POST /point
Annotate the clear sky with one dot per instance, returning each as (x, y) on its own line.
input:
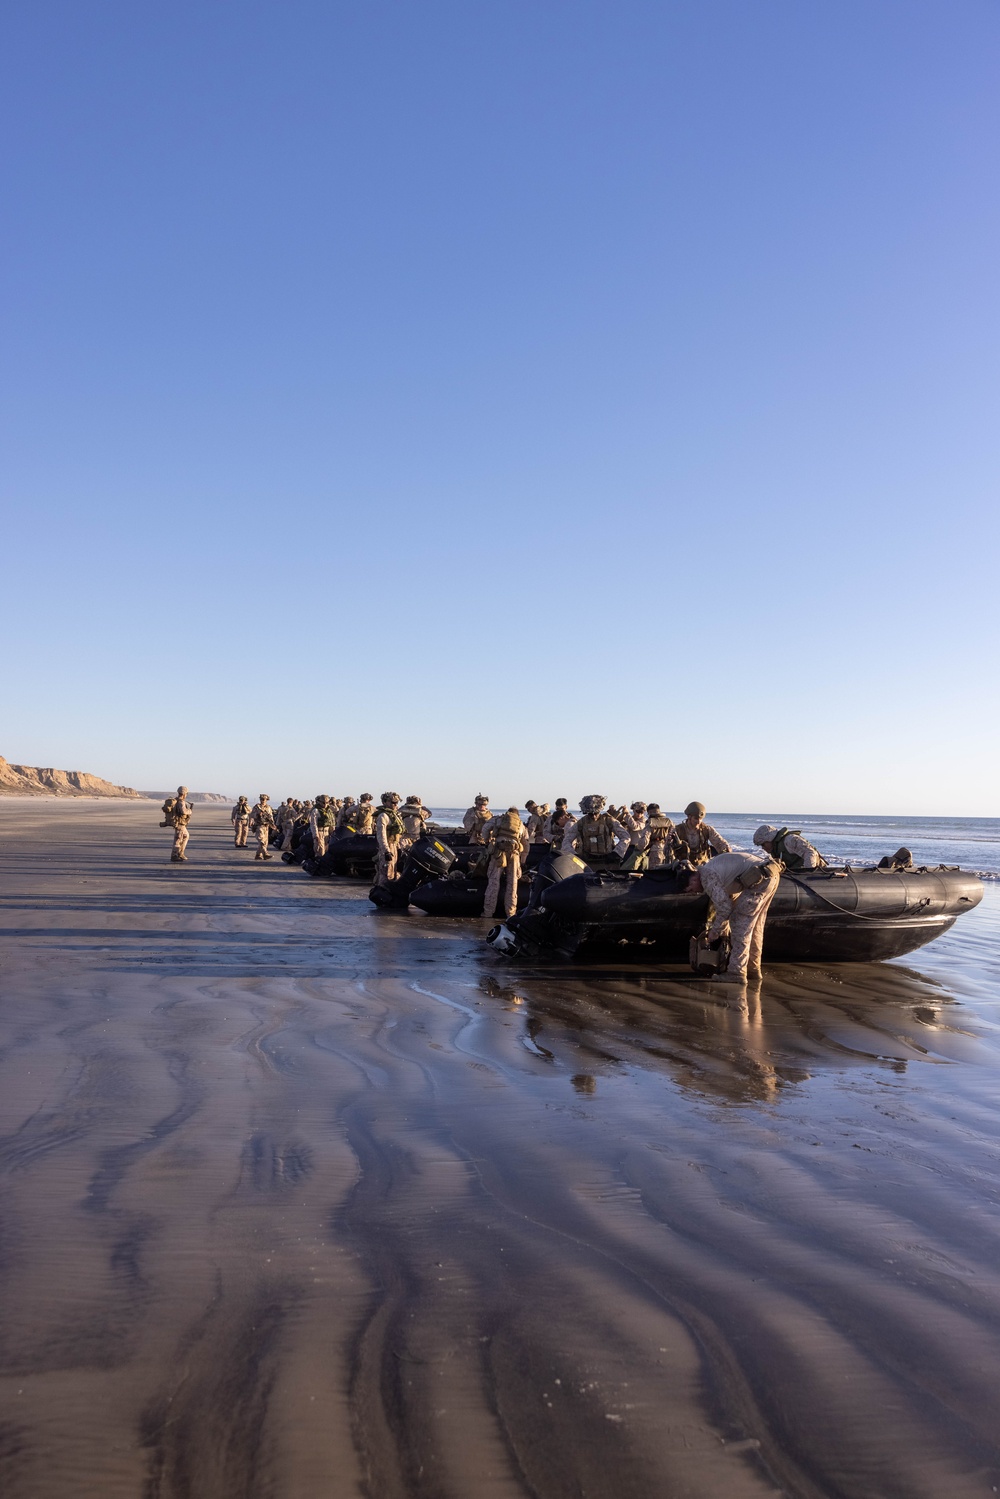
(538, 397)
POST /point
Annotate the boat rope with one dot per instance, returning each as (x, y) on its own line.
(843, 911)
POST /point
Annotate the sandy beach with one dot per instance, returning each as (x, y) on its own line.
(302, 1199)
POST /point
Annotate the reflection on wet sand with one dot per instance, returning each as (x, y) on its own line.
(302, 1199)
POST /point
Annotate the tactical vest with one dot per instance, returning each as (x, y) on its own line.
(596, 835)
(180, 814)
(482, 818)
(393, 822)
(363, 815)
(696, 852)
(324, 817)
(785, 856)
(507, 837)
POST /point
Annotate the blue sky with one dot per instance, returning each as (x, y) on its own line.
(531, 397)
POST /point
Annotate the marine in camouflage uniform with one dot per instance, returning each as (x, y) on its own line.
(262, 824)
(286, 815)
(507, 844)
(788, 847)
(741, 888)
(389, 832)
(476, 818)
(180, 816)
(697, 840)
(364, 815)
(660, 840)
(633, 819)
(595, 834)
(414, 815)
(241, 822)
(321, 824)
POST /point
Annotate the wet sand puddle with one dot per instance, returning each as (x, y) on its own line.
(303, 1199)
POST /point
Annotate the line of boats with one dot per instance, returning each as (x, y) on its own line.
(570, 911)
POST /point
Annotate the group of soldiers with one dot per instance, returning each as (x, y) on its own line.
(634, 838)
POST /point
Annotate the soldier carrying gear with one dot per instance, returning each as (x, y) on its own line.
(414, 815)
(697, 840)
(287, 813)
(476, 818)
(741, 889)
(660, 842)
(389, 830)
(789, 847)
(179, 816)
(262, 823)
(321, 823)
(241, 822)
(595, 834)
(364, 814)
(507, 844)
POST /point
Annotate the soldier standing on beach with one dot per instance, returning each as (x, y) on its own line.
(262, 824)
(321, 823)
(389, 830)
(507, 841)
(180, 816)
(241, 822)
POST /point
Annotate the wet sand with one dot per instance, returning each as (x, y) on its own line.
(300, 1199)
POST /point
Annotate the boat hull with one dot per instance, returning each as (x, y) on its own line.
(829, 915)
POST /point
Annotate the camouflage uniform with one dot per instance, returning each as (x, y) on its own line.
(659, 840)
(414, 815)
(698, 841)
(320, 826)
(261, 823)
(596, 833)
(180, 816)
(241, 822)
(364, 815)
(287, 814)
(745, 913)
(389, 831)
(507, 841)
(788, 847)
(476, 819)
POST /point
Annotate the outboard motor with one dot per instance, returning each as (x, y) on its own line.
(428, 859)
(534, 931)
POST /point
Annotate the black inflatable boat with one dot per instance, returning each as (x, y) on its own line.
(833, 915)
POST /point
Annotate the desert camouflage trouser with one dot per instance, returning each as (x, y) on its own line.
(319, 842)
(240, 826)
(181, 836)
(385, 869)
(499, 864)
(263, 832)
(746, 924)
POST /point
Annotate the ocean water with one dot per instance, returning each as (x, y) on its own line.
(971, 842)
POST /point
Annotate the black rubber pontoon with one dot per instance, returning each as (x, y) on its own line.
(830, 915)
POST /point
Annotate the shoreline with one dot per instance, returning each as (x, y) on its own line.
(301, 1197)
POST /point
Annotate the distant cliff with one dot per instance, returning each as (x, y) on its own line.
(34, 780)
(192, 796)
